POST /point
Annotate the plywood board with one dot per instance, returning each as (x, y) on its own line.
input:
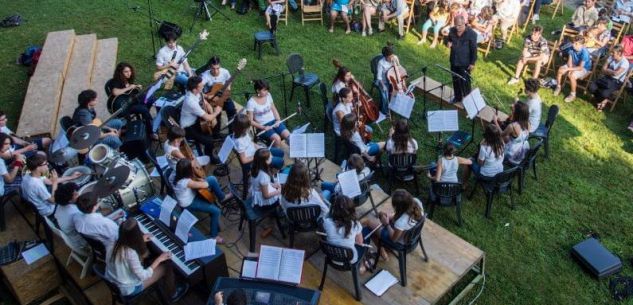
(78, 75)
(56, 53)
(41, 100)
(103, 69)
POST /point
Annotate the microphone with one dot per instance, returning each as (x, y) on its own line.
(450, 72)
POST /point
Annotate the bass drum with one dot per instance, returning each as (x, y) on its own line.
(138, 187)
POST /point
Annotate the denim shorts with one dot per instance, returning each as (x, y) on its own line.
(275, 130)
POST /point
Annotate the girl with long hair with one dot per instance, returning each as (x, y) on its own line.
(516, 133)
(400, 139)
(264, 115)
(124, 264)
(342, 78)
(264, 190)
(298, 192)
(344, 105)
(355, 162)
(245, 147)
(349, 132)
(343, 228)
(489, 161)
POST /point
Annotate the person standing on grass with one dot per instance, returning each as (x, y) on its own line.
(462, 41)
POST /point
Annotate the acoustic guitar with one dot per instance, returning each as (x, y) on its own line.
(217, 96)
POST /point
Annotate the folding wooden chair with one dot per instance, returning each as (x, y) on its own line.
(284, 15)
(485, 46)
(614, 98)
(312, 12)
(556, 4)
(553, 46)
(620, 28)
(411, 18)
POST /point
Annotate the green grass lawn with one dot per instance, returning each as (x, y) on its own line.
(582, 187)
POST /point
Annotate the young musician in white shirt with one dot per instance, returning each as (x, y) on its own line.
(388, 60)
(297, 191)
(92, 224)
(21, 146)
(350, 132)
(65, 213)
(400, 139)
(264, 115)
(344, 105)
(169, 55)
(218, 75)
(264, 190)
(245, 147)
(355, 162)
(124, 265)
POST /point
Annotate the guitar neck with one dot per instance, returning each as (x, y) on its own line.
(231, 79)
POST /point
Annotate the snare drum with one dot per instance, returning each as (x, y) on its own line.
(102, 155)
(86, 174)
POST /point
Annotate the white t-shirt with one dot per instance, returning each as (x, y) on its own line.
(336, 122)
(262, 180)
(184, 194)
(337, 236)
(357, 140)
(127, 271)
(34, 190)
(245, 144)
(534, 106)
(210, 80)
(190, 110)
(3, 171)
(615, 65)
(65, 215)
(381, 70)
(337, 86)
(6, 130)
(412, 147)
(261, 113)
(313, 199)
(99, 227)
(405, 222)
(165, 55)
(168, 149)
(492, 165)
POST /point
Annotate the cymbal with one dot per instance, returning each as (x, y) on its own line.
(57, 157)
(112, 180)
(84, 137)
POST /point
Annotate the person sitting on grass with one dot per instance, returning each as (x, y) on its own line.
(343, 7)
(578, 67)
(536, 51)
(437, 19)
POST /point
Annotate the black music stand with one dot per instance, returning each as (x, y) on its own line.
(203, 8)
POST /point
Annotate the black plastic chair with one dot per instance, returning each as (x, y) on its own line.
(246, 176)
(401, 169)
(446, 194)
(411, 239)
(302, 219)
(499, 184)
(339, 258)
(262, 37)
(300, 78)
(164, 173)
(364, 195)
(254, 215)
(528, 161)
(4, 199)
(543, 130)
(375, 84)
(66, 122)
(115, 293)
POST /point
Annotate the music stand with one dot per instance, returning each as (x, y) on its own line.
(203, 8)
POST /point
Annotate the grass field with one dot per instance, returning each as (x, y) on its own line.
(582, 187)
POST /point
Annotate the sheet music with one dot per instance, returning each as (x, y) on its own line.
(298, 145)
(269, 260)
(185, 222)
(381, 282)
(349, 183)
(473, 103)
(442, 120)
(166, 208)
(249, 268)
(226, 148)
(301, 129)
(291, 265)
(198, 249)
(315, 145)
(402, 104)
(34, 254)
(153, 89)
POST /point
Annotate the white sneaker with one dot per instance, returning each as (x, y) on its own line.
(363, 34)
(370, 32)
(513, 81)
(535, 17)
(570, 98)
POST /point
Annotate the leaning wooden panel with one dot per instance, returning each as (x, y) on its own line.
(56, 53)
(103, 69)
(78, 75)
(40, 105)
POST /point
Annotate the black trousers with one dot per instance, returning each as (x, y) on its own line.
(229, 107)
(603, 87)
(461, 87)
(194, 132)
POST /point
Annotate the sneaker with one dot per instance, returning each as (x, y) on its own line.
(364, 34)
(535, 17)
(570, 98)
(630, 127)
(421, 42)
(557, 91)
(181, 290)
(513, 81)
(370, 32)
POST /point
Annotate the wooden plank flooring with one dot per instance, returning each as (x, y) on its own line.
(40, 104)
(103, 69)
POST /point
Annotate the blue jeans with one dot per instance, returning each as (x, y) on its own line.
(275, 130)
(181, 79)
(113, 141)
(437, 26)
(215, 187)
(327, 189)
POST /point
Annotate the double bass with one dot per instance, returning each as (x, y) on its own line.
(366, 109)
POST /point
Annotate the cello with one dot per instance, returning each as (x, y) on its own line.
(397, 77)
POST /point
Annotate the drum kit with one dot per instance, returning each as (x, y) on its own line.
(120, 183)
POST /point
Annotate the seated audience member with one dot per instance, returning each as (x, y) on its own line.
(354, 162)
(483, 24)
(165, 59)
(11, 178)
(613, 76)
(534, 102)
(85, 114)
(264, 191)
(370, 8)
(408, 212)
(186, 191)
(236, 297)
(400, 140)
(476, 6)
(275, 7)
(536, 51)
(394, 9)
(622, 11)
(597, 37)
(245, 147)
(343, 7)
(264, 116)
(65, 213)
(437, 19)
(516, 133)
(489, 160)
(33, 187)
(585, 15)
(349, 132)
(456, 10)
(578, 67)
(507, 14)
(92, 224)
(124, 265)
(297, 191)
(20, 146)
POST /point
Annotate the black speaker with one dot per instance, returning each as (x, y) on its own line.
(166, 27)
(134, 140)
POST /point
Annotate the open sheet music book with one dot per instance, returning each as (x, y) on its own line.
(307, 145)
(380, 282)
(275, 264)
(442, 120)
(473, 103)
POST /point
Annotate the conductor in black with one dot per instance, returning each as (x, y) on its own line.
(462, 41)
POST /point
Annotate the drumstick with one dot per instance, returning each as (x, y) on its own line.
(262, 132)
